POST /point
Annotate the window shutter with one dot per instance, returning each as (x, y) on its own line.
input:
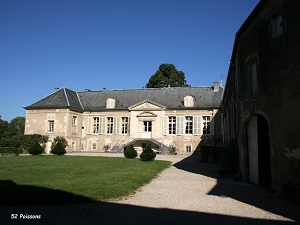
(116, 126)
(211, 125)
(180, 125)
(102, 125)
(197, 125)
(128, 131)
(165, 125)
(90, 125)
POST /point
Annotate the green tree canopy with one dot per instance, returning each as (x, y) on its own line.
(3, 126)
(166, 75)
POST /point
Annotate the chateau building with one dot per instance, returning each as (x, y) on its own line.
(173, 117)
(260, 107)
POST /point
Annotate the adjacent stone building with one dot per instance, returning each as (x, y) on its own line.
(261, 103)
(180, 117)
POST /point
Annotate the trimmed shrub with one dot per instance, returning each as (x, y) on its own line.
(10, 150)
(147, 154)
(58, 149)
(130, 152)
(36, 149)
(60, 139)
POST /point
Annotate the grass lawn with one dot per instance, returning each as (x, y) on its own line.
(72, 179)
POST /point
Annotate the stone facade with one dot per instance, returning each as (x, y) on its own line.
(164, 118)
(260, 107)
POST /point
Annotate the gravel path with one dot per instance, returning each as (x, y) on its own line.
(189, 192)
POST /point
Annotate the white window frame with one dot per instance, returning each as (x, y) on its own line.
(147, 125)
(110, 103)
(188, 101)
(188, 125)
(50, 123)
(50, 126)
(207, 125)
(110, 125)
(74, 121)
(124, 125)
(171, 125)
(188, 148)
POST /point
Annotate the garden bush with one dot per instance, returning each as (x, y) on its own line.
(36, 149)
(58, 149)
(147, 154)
(130, 152)
(60, 139)
(10, 150)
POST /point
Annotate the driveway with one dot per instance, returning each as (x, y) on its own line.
(189, 192)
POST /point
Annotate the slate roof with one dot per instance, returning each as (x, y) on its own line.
(171, 98)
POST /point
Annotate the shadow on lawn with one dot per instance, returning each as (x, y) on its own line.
(248, 193)
(12, 194)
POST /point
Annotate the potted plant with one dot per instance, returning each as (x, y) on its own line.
(106, 147)
(172, 150)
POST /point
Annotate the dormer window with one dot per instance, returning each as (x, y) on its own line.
(110, 103)
(189, 101)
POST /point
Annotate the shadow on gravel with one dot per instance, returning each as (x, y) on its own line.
(244, 192)
(115, 214)
(59, 207)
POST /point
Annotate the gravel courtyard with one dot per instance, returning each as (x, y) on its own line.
(189, 192)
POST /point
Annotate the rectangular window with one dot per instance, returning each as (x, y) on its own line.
(94, 146)
(254, 78)
(110, 125)
(188, 125)
(125, 125)
(74, 121)
(95, 125)
(148, 126)
(74, 125)
(277, 25)
(172, 125)
(206, 124)
(50, 126)
(188, 148)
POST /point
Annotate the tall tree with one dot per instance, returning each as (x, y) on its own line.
(167, 75)
(3, 126)
(15, 127)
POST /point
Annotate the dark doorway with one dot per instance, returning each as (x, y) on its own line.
(264, 152)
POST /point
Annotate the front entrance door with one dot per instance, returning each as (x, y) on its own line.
(259, 152)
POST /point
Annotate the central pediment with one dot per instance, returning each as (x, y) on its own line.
(147, 105)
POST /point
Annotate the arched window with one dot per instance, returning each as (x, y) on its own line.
(189, 101)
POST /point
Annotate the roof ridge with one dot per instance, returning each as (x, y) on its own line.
(66, 96)
(79, 100)
(142, 89)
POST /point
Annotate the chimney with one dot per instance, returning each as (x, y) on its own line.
(216, 86)
(56, 89)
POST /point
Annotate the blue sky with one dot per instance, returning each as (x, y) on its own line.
(112, 44)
